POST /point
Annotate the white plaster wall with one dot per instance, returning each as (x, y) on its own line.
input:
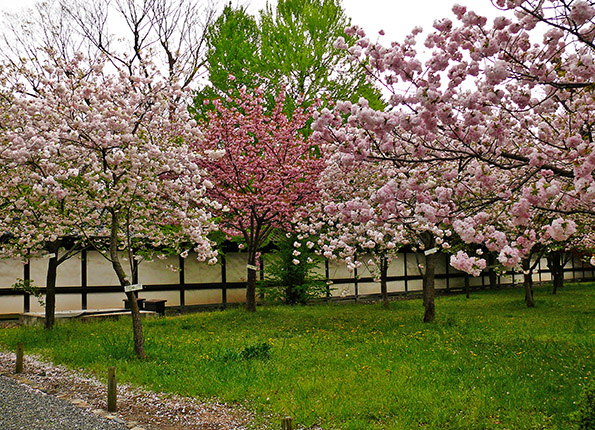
(440, 284)
(236, 295)
(201, 297)
(415, 285)
(67, 302)
(11, 304)
(10, 271)
(38, 268)
(396, 286)
(338, 270)
(105, 300)
(201, 273)
(396, 267)
(69, 272)
(341, 290)
(100, 271)
(369, 288)
(159, 271)
(236, 266)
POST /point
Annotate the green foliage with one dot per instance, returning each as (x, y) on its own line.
(287, 281)
(290, 46)
(257, 351)
(233, 50)
(585, 416)
(29, 287)
(488, 362)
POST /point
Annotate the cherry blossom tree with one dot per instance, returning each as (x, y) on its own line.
(494, 116)
(346, 222)
(30, 214)
(421, 200)
(268, 171)
(113, 149)
(170, 33)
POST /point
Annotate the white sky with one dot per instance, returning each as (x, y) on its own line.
(398, 17)
(395, 17)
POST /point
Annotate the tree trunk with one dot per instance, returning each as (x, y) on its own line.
(50, 285)
(466, 285)
(491, 272)
(528, 282)
(251, 283)
(554, 263)
(428, 280)
(383, 283)
(137, 327)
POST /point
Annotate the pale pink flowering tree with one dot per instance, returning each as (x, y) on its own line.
(346, 222)
(35, 221)
(269, 169)
(114, 149)
(421, 201)
(510, 117)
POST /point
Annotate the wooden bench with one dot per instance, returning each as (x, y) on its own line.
(138, 300)
(155, 305)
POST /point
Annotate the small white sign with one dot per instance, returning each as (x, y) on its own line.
(133, 287)
(251, 267)
(431, 251)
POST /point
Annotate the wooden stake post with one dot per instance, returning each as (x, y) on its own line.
(111, 390)
(287, 423)
(20, 354)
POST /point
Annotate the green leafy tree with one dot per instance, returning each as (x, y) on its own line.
(290, 46)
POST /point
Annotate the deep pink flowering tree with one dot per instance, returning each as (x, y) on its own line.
(113, 149)
(268, 170)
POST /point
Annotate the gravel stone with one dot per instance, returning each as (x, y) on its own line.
(22, 407)
(140, 408)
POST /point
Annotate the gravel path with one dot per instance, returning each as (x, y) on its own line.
(22, 407)
(138, 408)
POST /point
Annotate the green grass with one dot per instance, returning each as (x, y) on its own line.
(488, 362)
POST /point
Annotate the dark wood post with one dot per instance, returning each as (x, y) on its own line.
(224, 282)
(182, 280)
(327, 274)
(447, 261)
(539, 268)
(26, 295)
(405, 270)
(355, 281)
(84, 279)
(111, 390)
(287, 423)
(20, 357)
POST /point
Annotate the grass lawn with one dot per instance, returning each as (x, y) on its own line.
(488, 362)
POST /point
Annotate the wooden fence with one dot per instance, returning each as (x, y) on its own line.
(87, 280)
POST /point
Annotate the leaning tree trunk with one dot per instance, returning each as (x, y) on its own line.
(554, 263)
(383, 283)
(528, 282)
(251, 283)
(428, 280)
(137, 327)
(50, 285)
